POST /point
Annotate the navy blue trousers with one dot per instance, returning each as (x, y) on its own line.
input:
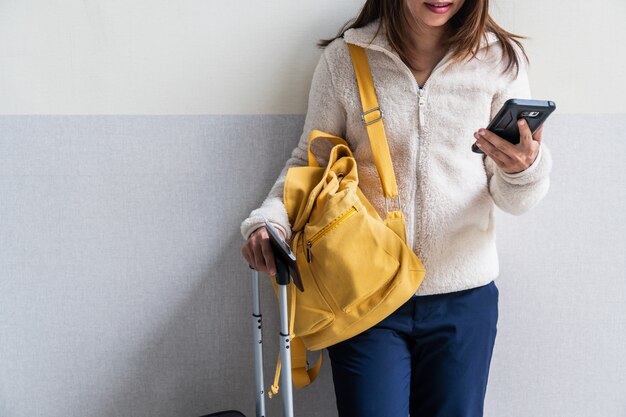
(430, 358)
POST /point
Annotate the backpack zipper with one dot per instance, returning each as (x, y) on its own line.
(341, 218)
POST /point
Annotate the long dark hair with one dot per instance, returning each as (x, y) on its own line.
(468, 26)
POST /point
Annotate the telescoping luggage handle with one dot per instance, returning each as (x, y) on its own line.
(257, 331)
(282, 279)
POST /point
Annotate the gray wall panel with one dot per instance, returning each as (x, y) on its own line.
(562, 328)
(123, 292)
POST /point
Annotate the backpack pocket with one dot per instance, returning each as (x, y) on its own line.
(348, 259)
(312, 311)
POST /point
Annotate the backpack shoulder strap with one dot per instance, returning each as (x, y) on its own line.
(372, 116)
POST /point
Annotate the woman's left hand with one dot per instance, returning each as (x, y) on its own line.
(511, 158)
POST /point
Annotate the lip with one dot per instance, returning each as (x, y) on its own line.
(433, 7)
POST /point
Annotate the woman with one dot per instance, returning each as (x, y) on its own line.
(441, 71)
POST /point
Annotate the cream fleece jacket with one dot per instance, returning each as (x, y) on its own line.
(447, 192)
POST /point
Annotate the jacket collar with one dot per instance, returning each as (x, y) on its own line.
(364, 36)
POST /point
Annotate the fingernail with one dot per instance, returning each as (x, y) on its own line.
(481, 131)
(521, 122)
(272, 272)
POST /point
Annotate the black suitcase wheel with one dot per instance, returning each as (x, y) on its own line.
(229, 413)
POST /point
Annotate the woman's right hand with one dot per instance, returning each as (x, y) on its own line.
(258, 252)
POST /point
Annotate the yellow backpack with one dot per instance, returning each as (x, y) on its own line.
(356, 268)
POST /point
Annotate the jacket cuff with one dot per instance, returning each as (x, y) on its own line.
(274, 212)
(539, 169)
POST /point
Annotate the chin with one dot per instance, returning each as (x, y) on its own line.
(435, 23)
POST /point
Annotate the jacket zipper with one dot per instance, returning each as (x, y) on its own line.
(341, 218)
(417, 206)
(421, 122)
(421, 94)
(421, 106)
(421, 91)
(421, 103)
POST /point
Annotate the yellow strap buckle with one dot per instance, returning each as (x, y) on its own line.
(370, 111)
(398, 207)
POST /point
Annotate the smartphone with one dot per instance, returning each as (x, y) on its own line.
(535, 112)
(281, 250)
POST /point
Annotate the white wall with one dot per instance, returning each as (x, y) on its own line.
(576, 48)
(247, 57)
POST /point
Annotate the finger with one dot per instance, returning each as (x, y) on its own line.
(268, 254)
(245, 252)
(257, 251)
(495, 156)
(538, 133)
(525, 136)
(494, 153)
(490, 153)
(503, 145)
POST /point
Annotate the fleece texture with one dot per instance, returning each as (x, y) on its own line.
(447, 192)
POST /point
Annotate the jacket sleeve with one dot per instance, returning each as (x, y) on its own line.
(519, 192)
(325, 113)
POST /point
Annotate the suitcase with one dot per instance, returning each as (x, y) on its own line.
(282, 279)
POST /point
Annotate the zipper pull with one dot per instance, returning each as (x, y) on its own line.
(308, 251)
(421, 104)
